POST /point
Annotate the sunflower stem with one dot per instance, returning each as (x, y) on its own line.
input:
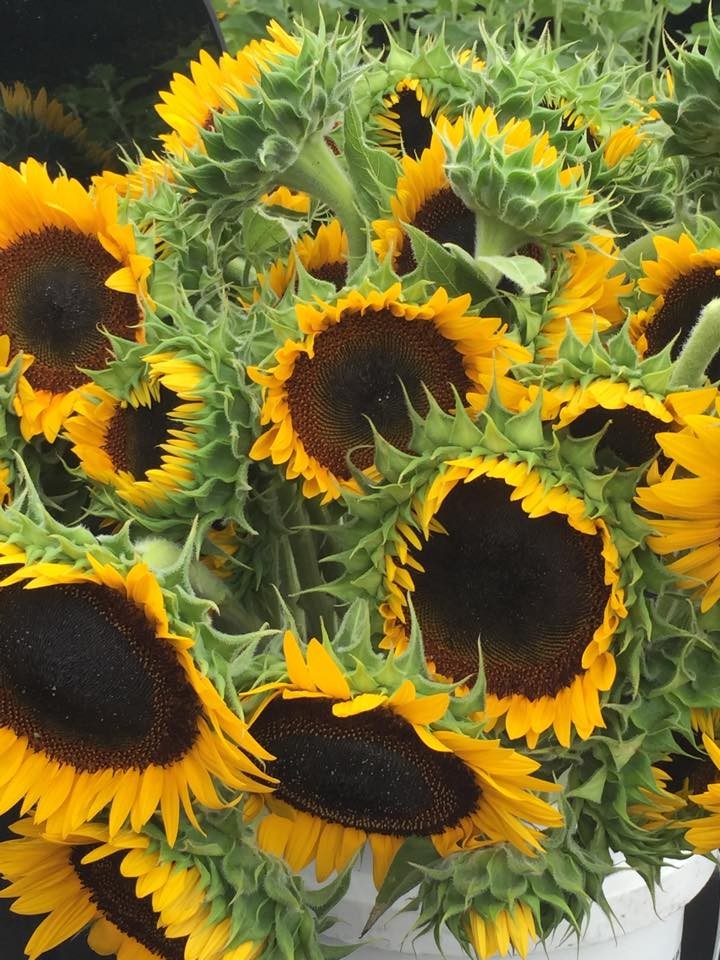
(318, 172)
(699, 349)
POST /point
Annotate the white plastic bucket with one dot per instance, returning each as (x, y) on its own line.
(641, 931)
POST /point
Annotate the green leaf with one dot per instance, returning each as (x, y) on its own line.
(524, 272)
(402, 876)
(444, 267)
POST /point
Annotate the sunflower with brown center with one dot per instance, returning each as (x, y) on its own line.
(143, 446)
(407, 119)
(382, 767)
(683, 279)
(137, 904)
(69, 273)
(350, 373)
(101, 704)
(526, 575)
(687, 503)
(323, 254)
(587, 299)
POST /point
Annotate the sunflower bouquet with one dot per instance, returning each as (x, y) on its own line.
(360, 471)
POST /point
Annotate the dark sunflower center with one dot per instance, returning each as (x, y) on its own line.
(335, 273)
(630, 436)
(85, 679)
(445, 218)
(114, 896)
(369, 771)
(355, 378)
(53, 299)
(134, 434)
(415, 129)
(532, 590)
(683, 303)
(692, 770)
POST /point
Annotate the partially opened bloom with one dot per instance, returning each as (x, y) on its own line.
(704, 834)
(69, 273)
(347, 375)
(687, 507)
(587, 299)
(101, 704)
(381, 767)
(512, 929)
(323, 254)
(137, 904)
(516, 567)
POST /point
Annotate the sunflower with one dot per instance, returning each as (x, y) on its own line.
(527, 575)
(512, 928)
(69, 272)
(323, 254)
(588, 297)
(215, 86)
(425, 199)
(407, 119)
(683, 279)
(689, 507)
(349, 373)
(102, 705)
(143, 446)
(137, 905)
(370, 767)
(36, 126)
(631, 417)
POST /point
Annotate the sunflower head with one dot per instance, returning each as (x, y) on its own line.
(128, 723)
(517, 183)
(323, 255)
(365, 754)
(70, 274)
(350, 377)
(406, 118)
(141, 899)
(298, 94)
(160, 435)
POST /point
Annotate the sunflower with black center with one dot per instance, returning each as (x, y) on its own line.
(70, 273)
(629, 417)
(588, 295)
(136, 903)
(685, 507)
(101, 704)
(352, 370)
(407, 119)
(323, 254)
(704, 833)
(515, 565)
(425, 199)
(38, 126)
(683, 280)
(381, 767)
(142, 446)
